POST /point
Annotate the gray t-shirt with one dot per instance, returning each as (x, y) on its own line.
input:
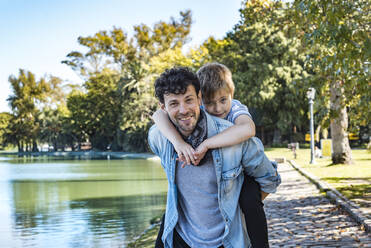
(200, 222)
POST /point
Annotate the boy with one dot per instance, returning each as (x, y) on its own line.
(217, 90)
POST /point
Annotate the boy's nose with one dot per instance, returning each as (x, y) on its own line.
(217, 108)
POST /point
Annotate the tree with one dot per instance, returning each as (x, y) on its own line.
(119, 72)
(5, 118)
(114, 49)
(266, 60)
(27, 95)
(338, 35)
(78, 116)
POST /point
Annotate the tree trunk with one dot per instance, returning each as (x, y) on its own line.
(20, 147)
(341, 153)
(34, 146)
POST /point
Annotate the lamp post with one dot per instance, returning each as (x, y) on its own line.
(310, 94)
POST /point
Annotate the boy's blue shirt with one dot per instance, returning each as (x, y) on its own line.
(229, 163)
(237, 109)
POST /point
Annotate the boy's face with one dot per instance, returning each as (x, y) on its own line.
(183, 109)
(219, 104)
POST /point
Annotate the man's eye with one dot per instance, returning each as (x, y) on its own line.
(173, 104)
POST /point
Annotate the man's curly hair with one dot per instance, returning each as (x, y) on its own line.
(175, 81)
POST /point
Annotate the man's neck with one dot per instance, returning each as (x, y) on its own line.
(199, 133)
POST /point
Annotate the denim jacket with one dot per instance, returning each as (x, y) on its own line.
(229, 163)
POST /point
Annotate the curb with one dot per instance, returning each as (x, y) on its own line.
(351, 208)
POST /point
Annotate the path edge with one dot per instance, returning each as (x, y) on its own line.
(335, 196)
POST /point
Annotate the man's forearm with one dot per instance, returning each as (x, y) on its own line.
(264, 195)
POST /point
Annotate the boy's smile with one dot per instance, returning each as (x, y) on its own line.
(219, 104)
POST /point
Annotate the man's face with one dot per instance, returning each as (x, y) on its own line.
(183, 109)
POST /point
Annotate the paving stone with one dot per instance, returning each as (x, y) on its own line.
(299, 216)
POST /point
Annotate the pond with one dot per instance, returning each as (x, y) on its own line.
(78, 203)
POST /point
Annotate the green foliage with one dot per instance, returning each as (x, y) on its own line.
(275, 52)
(4, 128)
(116, 51)
(115, 110)
(337, 35)
(27, 95)
(266, 61)
(56, 129)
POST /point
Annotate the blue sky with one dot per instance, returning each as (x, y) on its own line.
(37, 35)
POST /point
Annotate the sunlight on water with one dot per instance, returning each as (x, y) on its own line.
(78, 203)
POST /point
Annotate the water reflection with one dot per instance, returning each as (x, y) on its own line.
(106, 207)
(89, 222)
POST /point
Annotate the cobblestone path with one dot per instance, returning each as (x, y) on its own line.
(299, 216)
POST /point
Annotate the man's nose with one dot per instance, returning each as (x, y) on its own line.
(182, 109)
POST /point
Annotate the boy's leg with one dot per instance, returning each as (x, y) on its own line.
(178, 242)
(252, 207)
(159, 243)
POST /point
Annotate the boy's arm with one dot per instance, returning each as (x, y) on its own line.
(183, 149)
(257, 165)
(243, 129)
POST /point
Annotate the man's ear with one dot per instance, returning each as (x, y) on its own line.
(162, 106)
(199, 98)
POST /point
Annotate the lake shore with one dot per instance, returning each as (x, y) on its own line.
(83, 155)
(148, 237)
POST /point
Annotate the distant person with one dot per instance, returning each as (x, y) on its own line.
(202, 202)
(217, 90)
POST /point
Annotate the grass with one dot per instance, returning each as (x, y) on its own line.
(353, 181)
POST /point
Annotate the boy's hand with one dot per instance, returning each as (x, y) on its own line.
(185, 153)
(200, 152)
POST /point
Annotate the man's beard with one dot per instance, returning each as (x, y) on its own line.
(185, 125)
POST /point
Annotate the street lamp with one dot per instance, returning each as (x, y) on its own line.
(310, 94)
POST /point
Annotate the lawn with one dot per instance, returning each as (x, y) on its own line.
(353, 181)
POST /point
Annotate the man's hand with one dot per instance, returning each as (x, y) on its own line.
(185, 153)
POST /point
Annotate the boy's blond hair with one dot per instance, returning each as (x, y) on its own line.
(213, 77)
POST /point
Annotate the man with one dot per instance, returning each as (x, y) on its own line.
(202, 202)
